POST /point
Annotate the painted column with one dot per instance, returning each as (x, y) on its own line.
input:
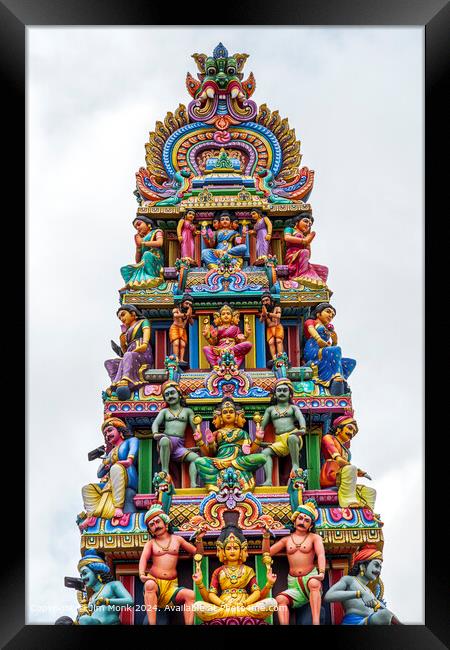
(260, 336)
(293, 345)
(313, 457)
(202, 361)
(161, 348)
(250, 359)
(261, 579)
(127, 613)
(338, 569)
(145, 464)
(193, 344)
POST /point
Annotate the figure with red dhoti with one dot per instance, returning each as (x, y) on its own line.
(298, 240)
(226, 337)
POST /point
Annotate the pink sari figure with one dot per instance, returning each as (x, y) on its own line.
(185, 232)
(298, 252)
(226, 337)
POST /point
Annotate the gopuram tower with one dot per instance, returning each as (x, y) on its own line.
(225, 483)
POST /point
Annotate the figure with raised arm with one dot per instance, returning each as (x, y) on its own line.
(361, 591)
(161, 589)
(289, 426)
(226, 337)
(105, 597)
(147, 272)
(303, 549)
(229, 446)
(233, 589)
(338, 471)
(322, 352)
(271, 316)
(117, 473)
(182, 318)
(224, 240)
(175, 419)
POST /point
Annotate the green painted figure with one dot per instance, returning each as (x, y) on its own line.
(284, 415)
(104, 596)
(175, 418)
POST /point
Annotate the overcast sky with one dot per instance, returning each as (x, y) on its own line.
(355, 99)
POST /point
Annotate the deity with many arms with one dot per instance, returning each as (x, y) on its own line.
(224, 240)
(126, 373)
(233, 590)
(229, 446)
(227, 337)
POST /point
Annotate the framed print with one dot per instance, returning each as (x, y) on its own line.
(255, 230)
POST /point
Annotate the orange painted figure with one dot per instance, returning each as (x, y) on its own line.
(161, 588)
(303, 547)
(337, 470)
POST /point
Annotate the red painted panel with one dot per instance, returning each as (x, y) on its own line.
(293, 345)
(161, 348)
(127, 613)
(337, 611)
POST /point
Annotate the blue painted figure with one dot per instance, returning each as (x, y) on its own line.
(322, 351)
(224, 240)
(104, 596)
(117, 473)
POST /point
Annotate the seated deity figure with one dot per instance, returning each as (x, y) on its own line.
(323, 353)
(337, 470)
(175, 418)
(226, 337)
(148, 270)
(233, 590)
(224, 240)
(117, 473)
(229, 446)
(126, 372)
(361, 591)
(105, 596)
(289, 426)
(298, 251)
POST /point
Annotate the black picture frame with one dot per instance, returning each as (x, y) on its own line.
(15, 16)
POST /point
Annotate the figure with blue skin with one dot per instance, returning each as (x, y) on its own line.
(361, 591)
(323, 353)
(117, 472)
(105, 596)
(225, 240)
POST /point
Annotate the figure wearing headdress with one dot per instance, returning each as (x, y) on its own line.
(229, 446)
(104, 596)
(175, 418)
(117, 473)
(303, 548)
(148, 270)
(323, 353)
(161, 587)
(233, 589)
(361, 591)
(226, 337)
(182, 318)
(298, 240)
(224, 240)
(338, 471)
(126, 372)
